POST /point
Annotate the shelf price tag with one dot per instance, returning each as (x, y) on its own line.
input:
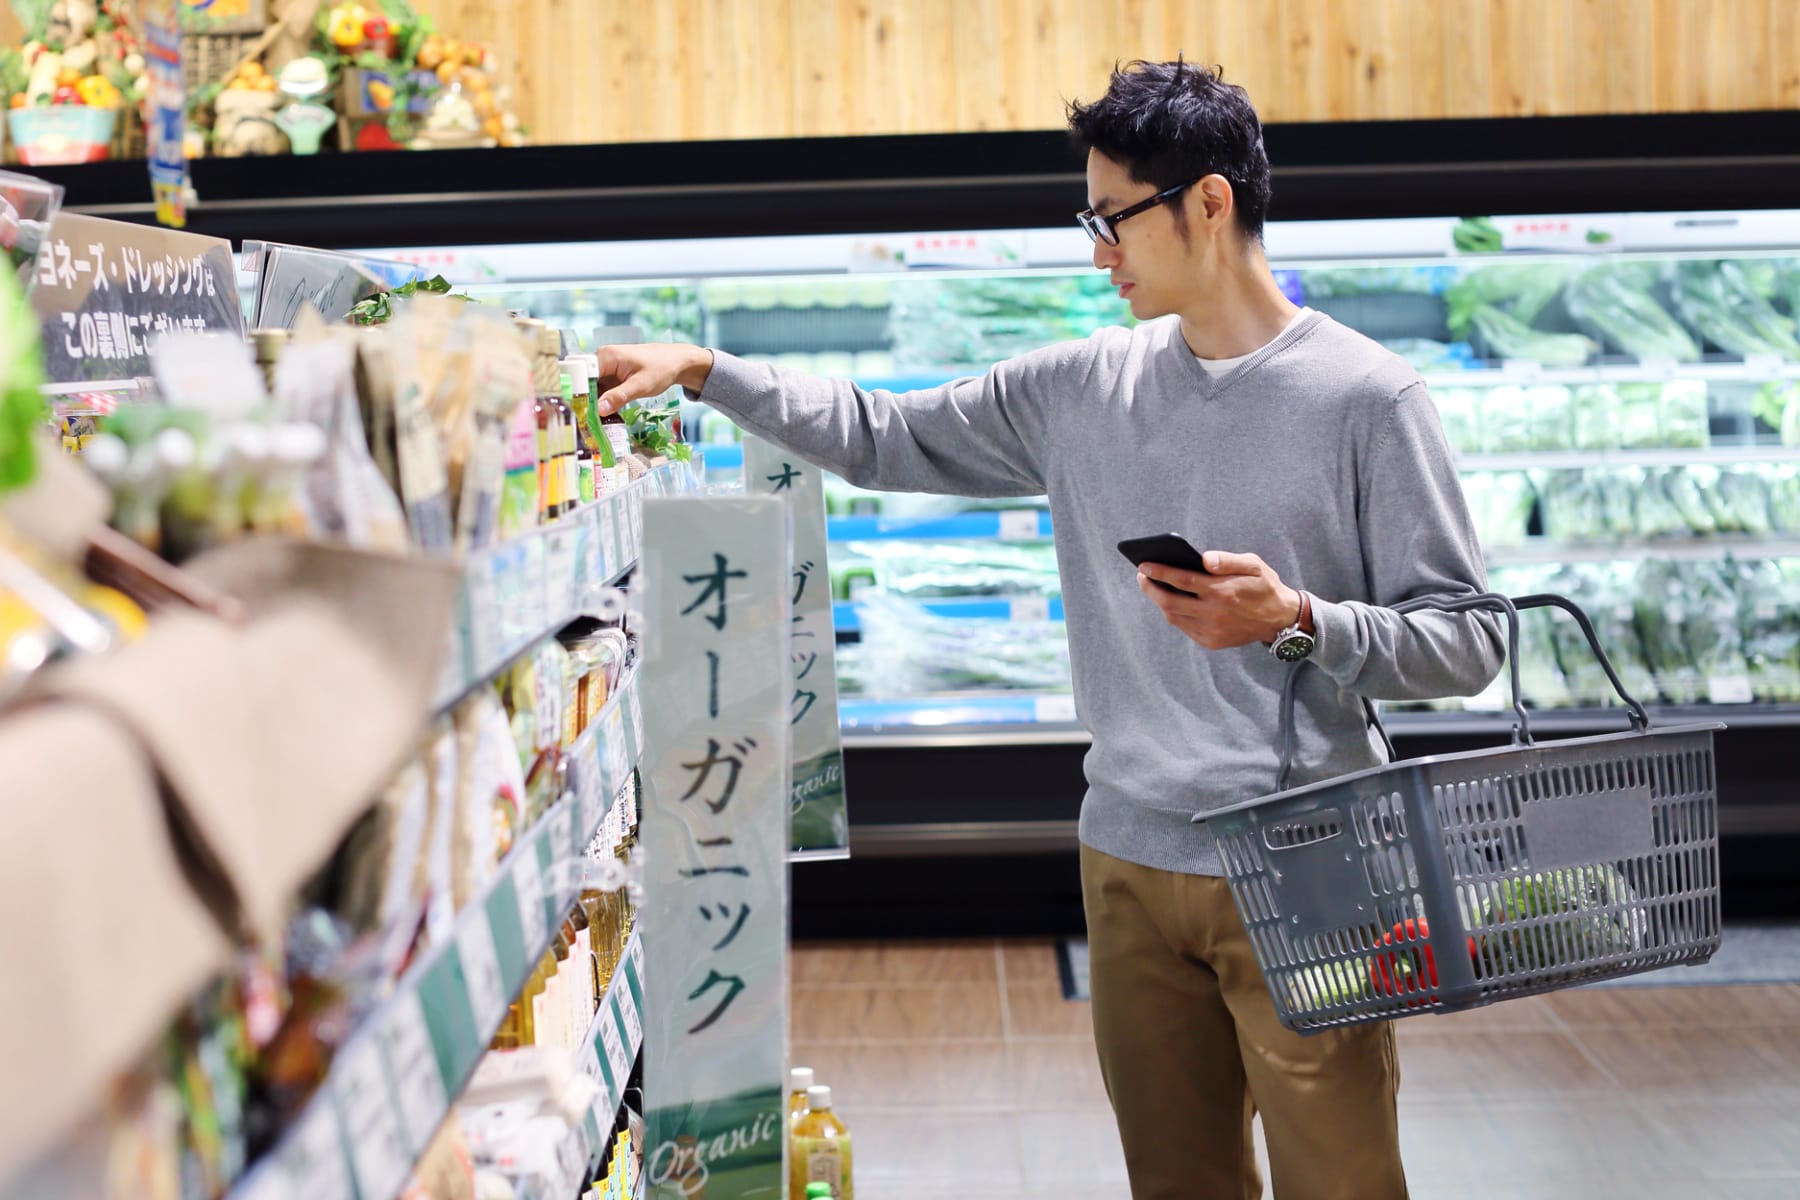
(609, 538)
(1729, 689)
(528, 886)
(1660, 367)
(1053, 708)
(1030, 608)
(378, 1151)
(1763, 366)
(637, 954)
(560, 597)
(617, 752)
(637, 716)
(485, 634)
(413, 1064)
(615, 1049)
(1019, 525)
(634, 1028)
(314, 1157)
(481, 969)
(1522, 370)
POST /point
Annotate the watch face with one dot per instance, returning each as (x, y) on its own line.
(1294, 647)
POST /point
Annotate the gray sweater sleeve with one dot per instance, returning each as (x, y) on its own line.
(1417, 540)
(981, 436)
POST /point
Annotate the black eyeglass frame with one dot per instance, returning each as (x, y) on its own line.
(1104, 228)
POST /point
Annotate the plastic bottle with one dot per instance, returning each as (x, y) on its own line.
(571, 471)
(821, 1149)
(799, 1079)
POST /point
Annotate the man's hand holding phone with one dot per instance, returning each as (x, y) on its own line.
(1232, 600)
(647, 370)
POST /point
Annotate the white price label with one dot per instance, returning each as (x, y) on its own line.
(1524, 369)
(1763, 366)
(378, 1151)
(1659, 367)
(533, 590)
(560, 598)
(1053, 708)
(634, 1028)
(615, 1049)
(637, 713)
(1018, 525)
(588, 1062)
(413, 1064)
(562, 834)
(528, 885)
(617, 753)
(485, 633)
(1030, 608)
(314, 1157)
(1729, 689)
(481, 970)
(609, 539)
(637, 956)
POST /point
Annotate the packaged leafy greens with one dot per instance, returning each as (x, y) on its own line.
(1508, 337)
(1740, 502)
(1618, 501)
(1500, 504)
(1784, 498)
(1506, 423)
(1574, 508)
(1516, 291)
(914, 652)
(1682, 413)
(1657, 516)
(1594, 417)
(1721, 301)
(1768, 594)
(1614, 302)
(1683, 488)
(1540, 678)
(1639, 421)
(1460, 411)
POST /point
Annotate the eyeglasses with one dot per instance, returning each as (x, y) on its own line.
(1105, 228)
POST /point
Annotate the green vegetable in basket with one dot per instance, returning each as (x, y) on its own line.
(1550, 921)
(1613, 301)
(1719, 300)
(1325, 984)
(1509, 337)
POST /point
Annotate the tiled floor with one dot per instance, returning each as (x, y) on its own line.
(962, 1072)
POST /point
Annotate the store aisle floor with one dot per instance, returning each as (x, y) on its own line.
(962, 1071)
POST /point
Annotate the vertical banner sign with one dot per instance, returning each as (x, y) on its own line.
(821, 821)
(166, 120)
(715, 836)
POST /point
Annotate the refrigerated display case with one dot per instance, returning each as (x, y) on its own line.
(1622, 392)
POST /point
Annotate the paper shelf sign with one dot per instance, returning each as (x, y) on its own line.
(821, 822)
(716, 688)
(104, 290)
(166, 120)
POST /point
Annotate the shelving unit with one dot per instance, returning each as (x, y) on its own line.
(1558, 460)
(1541, 551)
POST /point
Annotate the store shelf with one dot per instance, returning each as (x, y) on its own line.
(1011, 525)
(519, 592)
(1527, 373)
(393, 1083)
(934, 712)
(1552, 460)
(1544, 552)
(721, 457)
(965, 608)
(913, 383)
(612, 1042)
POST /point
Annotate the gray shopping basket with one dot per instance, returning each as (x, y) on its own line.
(1448, 882)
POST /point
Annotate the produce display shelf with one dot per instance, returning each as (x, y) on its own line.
(393, 1082)
(845, 616)
(1754, 370)
(1010, 525)
(1720, 456)
(516, 593)
(870, 722)
(1544, 552)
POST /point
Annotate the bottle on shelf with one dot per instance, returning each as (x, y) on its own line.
(821, 1149)
(799, 1080)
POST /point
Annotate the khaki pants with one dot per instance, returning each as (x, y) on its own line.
(1191, 1051)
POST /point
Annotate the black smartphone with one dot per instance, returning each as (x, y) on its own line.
(1166, 549)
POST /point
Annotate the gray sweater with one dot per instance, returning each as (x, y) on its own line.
(1322, 453)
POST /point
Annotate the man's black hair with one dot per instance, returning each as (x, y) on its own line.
(1172, 122)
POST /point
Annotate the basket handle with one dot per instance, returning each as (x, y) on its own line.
(1521, 734)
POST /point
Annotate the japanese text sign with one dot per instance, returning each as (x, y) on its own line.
(715, 833)
(821, 824)
(105, 289)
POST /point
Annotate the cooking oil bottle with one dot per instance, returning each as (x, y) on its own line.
(821, 1149)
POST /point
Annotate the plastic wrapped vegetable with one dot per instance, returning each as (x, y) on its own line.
(1539, 922)
(1772, 402)
(1655, 514)
(1683, 489)
(1522, 290)
(1594, 412)
(1460, 411)
(1552, 426)
(1618, 503)
(1713, 637)
(1784, 499)
(1508, 337)
(914, 652)
(1500, 504)
(1613, 302)
(1539, 676)
(1506, 423)
(1769, 620)
(1640, 415)
(1740, 503)
(1573, 507)
(1683, 415)
(1719, 300)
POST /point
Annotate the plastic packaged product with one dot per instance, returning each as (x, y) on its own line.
(1683, 414)
(1551, 418)
(405, 362)
(1618, 505)
(1719, 300)
(440, 838)
(1460, 411)
(1640, 415)
(489, 794)
(1574, 508)
(1655, 515)
(1595, 416)
(481, 430)
(821, 1149)
(916, 653)
(1739, 500)
(1507, 427)
(1500, 504)
(1784, 498)
(1683, 487)
(1769, 619)
(1614, 302)
(382, 853)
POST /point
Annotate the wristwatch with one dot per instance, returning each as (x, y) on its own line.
(1294, 643)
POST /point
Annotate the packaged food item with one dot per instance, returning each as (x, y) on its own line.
(476, 405)
(440, 840)
(487, 798)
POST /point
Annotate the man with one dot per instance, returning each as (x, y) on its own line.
(1299, 455)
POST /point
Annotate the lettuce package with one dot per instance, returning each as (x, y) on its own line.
(1639, 423)
(1682, 415)
(1655, 514)
(1739, 501)
(1594, 417)
(1768, 593)
(1540, 678)
(1615, 303)
(1500, 504)
(1682, 484)
(914, 652)
(1723, 302)
(1784, 498)
(1460, 411)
